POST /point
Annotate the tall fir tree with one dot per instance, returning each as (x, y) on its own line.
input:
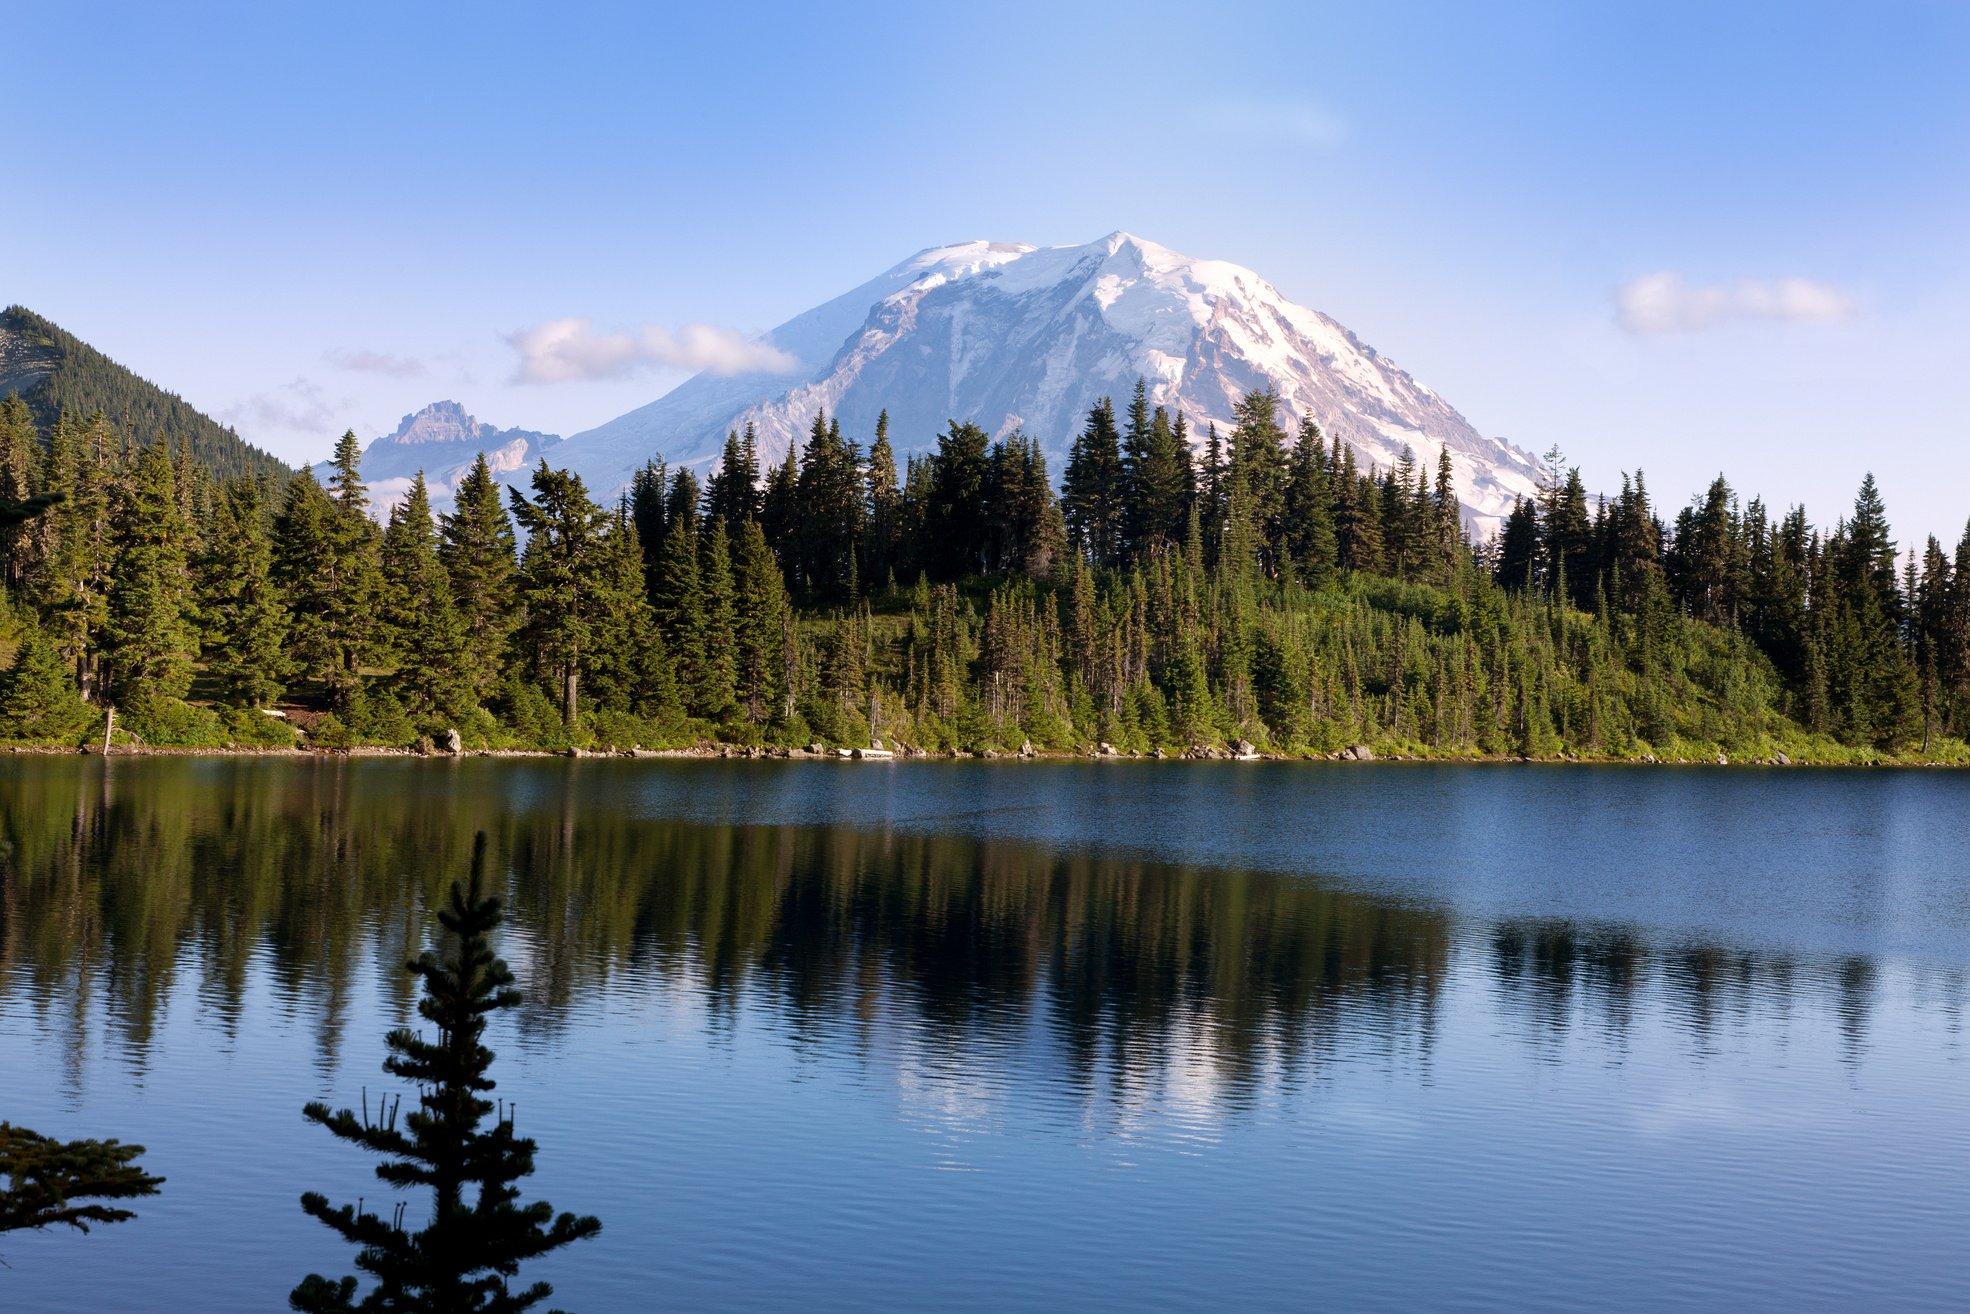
(678, 606)
(631, 671)
(1309, 514)
(476, 548)
(716, 687)
(1092, 496)
(885, 502)
(759, 624)
(20, 479)
(83, 462)
(957, 525)
(557, 589)
(242, 619)
(310, 568)
(427, 637)
(148, 639)
(646, 509)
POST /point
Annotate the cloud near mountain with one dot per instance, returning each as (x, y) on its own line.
(570, 350)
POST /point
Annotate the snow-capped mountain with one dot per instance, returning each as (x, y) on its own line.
(1014, 336)
(442, 441)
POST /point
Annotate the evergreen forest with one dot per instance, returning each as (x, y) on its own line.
(55, 371)
(1261, 590)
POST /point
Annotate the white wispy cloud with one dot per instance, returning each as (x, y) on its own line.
(362, 361)
(1300, 121)
(1667, 303)
(299, 406)
(566, 350)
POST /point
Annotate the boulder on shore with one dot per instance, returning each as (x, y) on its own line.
(1358, 753)
(454, 744)
(1244, 749)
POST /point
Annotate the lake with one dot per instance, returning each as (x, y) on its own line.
(1030, 1036)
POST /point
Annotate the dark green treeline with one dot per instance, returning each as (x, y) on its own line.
(1272, 590)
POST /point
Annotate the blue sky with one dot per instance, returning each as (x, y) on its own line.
(307, 221)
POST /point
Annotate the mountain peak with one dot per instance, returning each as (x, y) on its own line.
(440, 422)
(444, 441)
(1021, 337)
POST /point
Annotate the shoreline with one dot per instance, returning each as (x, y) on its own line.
(708, 751)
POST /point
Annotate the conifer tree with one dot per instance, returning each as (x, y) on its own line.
(681, 503)
(1564, 532)
(1025, 533)
(326, 558)
(779, 509)
(556, 587)
(829, 500)
(307, 553)
(75, 580)
(192, 484)
(632, 672)
(477, 552)
(38, 700)
(885, 498)
(50, 1183)
(1135, 473)
(1309, 512)
(1357, 516)
(715, 690)
(732, 493)
(646, 510)
(148, 639)
(244, 625)
(20, 478)
(1447, 514)
(427, 637)
(345, 484)
(1211, 488)
(758, 625)
(478, 1233)
(1092, 498)
(1164, 484)
(956, 525)
(1517, 564)
(1259, 472)
(678, 605)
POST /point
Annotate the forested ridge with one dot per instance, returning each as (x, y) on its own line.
(55, 371)
(1262, 586)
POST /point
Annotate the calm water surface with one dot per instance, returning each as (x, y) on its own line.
(1032, 1036)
